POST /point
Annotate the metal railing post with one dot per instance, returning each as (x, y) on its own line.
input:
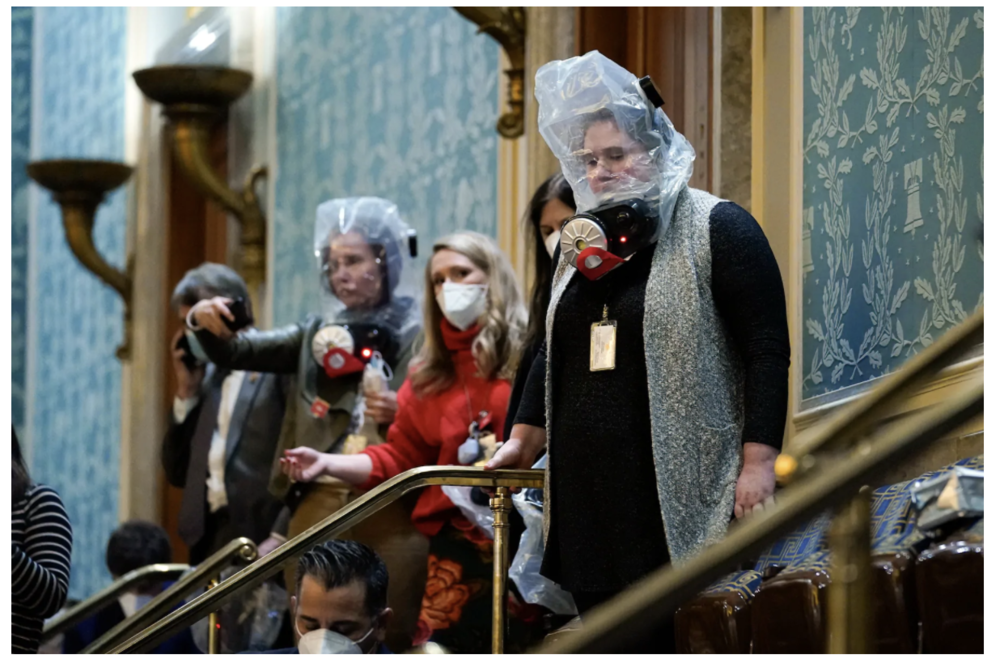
(239, 550)
(500, 504)
(146, 637)
(848, 623)
(213, 625)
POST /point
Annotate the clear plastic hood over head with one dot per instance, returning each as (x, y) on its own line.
(611, 142)
(367, 273)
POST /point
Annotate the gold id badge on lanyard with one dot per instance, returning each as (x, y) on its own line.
(603, 343)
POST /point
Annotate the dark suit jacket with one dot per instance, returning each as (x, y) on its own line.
(289, 350)
(254, 429)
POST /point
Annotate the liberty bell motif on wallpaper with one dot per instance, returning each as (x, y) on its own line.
(808, 219)
(913, 176)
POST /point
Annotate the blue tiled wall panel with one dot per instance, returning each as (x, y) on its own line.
(21, 25)
(76, 425)
(393, 102)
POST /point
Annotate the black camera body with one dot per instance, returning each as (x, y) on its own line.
(241, 316)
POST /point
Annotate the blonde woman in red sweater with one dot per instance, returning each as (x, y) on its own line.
(474, 323)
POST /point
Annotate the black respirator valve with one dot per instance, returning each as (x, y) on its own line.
(648, 88)
(411, 235)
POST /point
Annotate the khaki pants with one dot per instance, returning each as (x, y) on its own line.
(391, 534)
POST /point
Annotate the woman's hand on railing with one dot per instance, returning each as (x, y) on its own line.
(520, 451)
(208, 314)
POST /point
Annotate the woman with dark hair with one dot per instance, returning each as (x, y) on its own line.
(41, 542)
(551, 204)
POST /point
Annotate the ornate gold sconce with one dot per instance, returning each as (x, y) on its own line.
(507, 26)
(79, 187)
(195, 99)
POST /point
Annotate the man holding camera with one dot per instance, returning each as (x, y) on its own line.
(223, 430)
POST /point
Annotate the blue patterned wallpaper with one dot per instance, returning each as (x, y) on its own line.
(394, 102)
(77, 380)
(892, 187)
(21, 24)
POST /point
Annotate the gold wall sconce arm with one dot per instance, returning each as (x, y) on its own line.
(507, 27)
(195, 99)
(79, 187)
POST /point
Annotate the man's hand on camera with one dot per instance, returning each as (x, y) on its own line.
(209, 314)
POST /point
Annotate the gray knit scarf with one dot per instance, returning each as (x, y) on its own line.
(695, 383)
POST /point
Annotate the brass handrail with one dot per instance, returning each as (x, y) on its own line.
(863, 415)
(652, 601)
(240, 549)
(96, 602)
(364, 506)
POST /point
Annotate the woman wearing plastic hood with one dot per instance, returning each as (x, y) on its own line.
(349, 361)
(452, 407)
(663, 382)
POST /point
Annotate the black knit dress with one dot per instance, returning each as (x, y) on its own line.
(606, 528)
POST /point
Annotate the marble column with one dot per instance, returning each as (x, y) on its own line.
(734, 150)
(551, 35)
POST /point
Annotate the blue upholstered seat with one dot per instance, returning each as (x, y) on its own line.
(788, 611)
(718, 620)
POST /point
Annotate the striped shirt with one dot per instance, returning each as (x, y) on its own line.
(41, 539)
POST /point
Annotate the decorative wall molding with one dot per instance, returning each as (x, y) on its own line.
(950, 381)
(143, 419)
(512, 192)
(551, 35)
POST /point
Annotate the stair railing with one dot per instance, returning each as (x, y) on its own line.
(239, 550)
(143, 639)
(97, 601)
(829, 468)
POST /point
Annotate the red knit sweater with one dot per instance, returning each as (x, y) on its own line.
(429, 429)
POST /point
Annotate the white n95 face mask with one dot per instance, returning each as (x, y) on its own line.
(325, 641)
(130, 603)
(552, 243)
(462, 304)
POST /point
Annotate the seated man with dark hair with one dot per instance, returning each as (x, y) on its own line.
(137, 544)
(339, 606)
(133, 545)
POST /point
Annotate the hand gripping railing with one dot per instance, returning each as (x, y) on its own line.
(833, 481)
(97, 601)
(238, 550)
(501, 481)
